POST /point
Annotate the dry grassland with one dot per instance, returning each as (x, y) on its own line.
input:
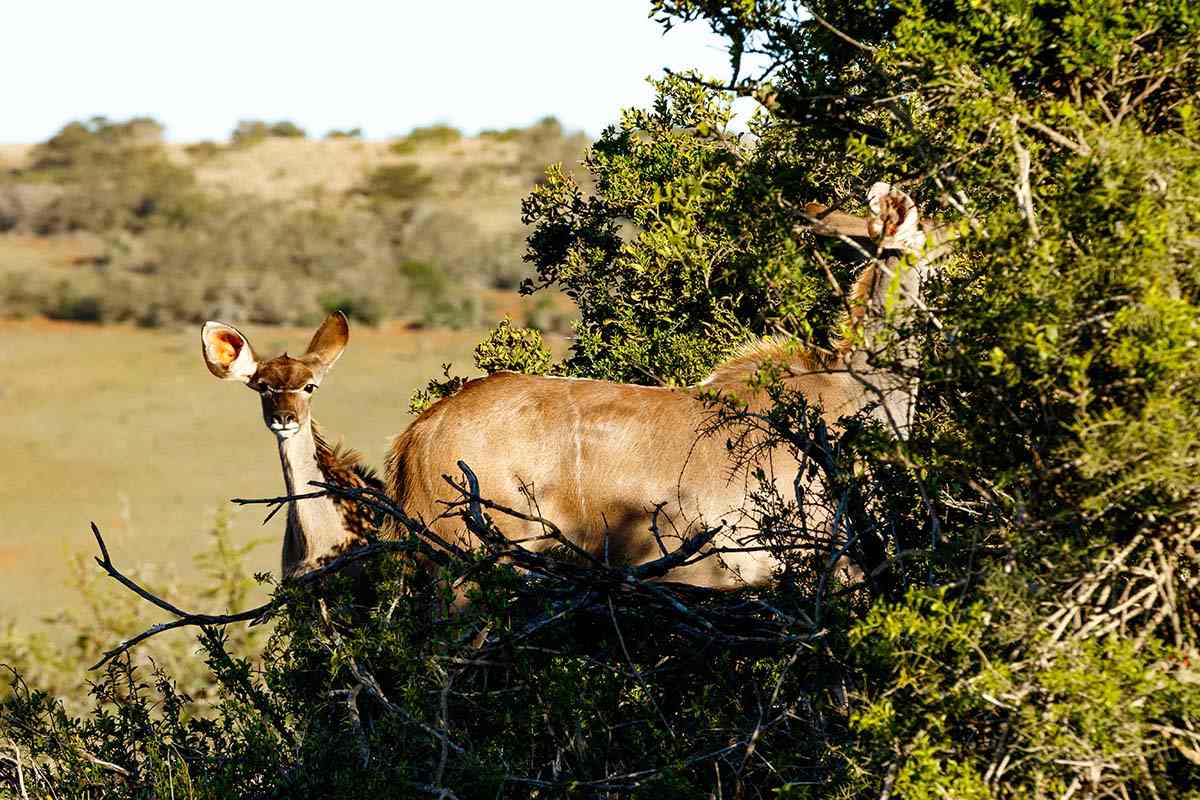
(124, 426)
(316, 170)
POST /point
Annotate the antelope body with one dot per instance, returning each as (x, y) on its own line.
(606, 462)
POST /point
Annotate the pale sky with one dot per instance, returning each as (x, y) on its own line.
(199, 67)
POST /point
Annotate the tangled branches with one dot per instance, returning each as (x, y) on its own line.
(566, 578)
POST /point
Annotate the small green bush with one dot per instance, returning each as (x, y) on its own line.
(513, 349)
(203, 151)
(67, 303)
(501, 135)
(396, 182)
(107, 176)
(359, 307)
(429, 136)
(435, 390)
(252, 131)
(79, 141)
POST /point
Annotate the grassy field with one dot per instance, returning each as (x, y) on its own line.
(125, 426)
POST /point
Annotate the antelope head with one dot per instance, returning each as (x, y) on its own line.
(285, 384)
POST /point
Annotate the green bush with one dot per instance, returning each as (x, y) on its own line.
(108, 175)
(362, 308)
(252, 131)
(66, 303)
(396, 182)
(203, 151)
(77, 142)
(501, 135)
(429, 136)
(513, 349)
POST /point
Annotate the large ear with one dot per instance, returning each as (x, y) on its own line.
(227, 352)
(330, 340)
(894, 217)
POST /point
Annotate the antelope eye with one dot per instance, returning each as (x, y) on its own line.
(310, 388)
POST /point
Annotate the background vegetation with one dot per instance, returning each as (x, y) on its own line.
(254, 230)
(1027, 622)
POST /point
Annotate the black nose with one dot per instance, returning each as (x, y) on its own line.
(283, 418)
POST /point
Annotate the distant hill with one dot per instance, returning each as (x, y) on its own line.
(105, 222)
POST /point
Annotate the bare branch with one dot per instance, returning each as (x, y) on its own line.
(194, 619)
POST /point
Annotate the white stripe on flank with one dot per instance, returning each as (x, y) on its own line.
(579, 460)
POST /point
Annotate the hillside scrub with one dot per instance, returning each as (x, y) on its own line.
(172, 250)
(252, 131)
(1023, 619)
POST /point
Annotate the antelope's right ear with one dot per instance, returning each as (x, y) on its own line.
(227, 352)
(329, 341)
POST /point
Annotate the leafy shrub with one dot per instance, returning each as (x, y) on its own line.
(348, 133)
(513, 349)
(362, 308)
(67, 303)
(435, 390)
(396, 182)
(109, 176)
(252, 131)
(712, 263)
(501, 135)
(203, 151)
(177, 254)
(78, 142)
(429, 136)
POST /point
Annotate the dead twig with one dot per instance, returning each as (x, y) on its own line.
(196, 619)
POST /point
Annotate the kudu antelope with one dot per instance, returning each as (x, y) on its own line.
(607, 461)
(321, 527)
(604, 461)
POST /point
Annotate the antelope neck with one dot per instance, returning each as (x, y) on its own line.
(314, 527)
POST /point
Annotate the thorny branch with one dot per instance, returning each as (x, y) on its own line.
(197, 619)
(549, 575)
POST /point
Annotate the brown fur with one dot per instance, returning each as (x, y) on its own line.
(321, 528)
(598, 459)
(745, 362)
(344, 467)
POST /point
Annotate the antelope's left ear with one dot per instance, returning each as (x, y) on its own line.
(330, 340)
(895, 216)
(875, 197)
(227, 352)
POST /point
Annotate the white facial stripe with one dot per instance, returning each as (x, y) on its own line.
(284, 431)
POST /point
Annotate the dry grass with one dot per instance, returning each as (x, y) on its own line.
(57, 255)
(125, 427)
(324, 170)
(15, 156)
